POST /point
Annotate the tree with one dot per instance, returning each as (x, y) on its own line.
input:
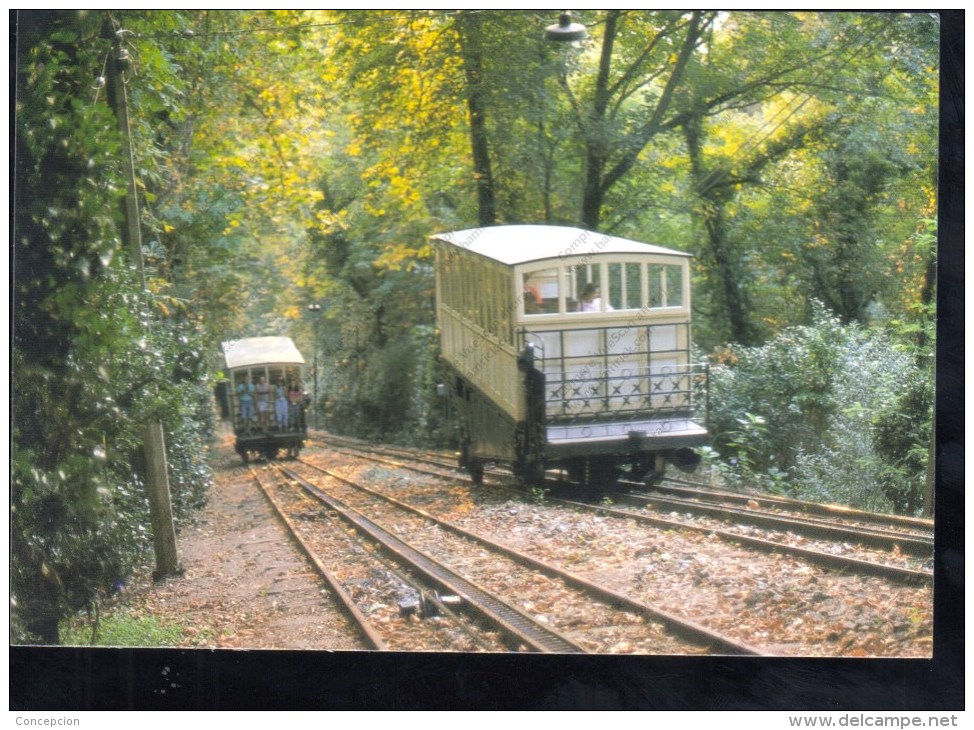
(614, 135)
(85, 374)
(469, 32)
(755, 163)
(729, 271)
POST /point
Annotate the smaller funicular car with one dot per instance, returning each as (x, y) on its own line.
(569, 349)
(267, 396)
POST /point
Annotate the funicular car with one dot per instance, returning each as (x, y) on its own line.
(569, 349)
(267, 396)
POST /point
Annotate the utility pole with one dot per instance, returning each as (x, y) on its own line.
(153, 437)
(315, 310)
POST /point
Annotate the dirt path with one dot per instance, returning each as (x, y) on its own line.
(245, 585)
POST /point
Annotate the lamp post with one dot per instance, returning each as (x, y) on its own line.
(315, 310)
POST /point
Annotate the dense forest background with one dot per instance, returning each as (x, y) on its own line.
(294, 158)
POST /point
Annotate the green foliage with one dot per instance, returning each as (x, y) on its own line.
(121, 629)
(287, 156)
(389, 392)
(94, 356)
(902, 436)
(434, 425)
(538, 495)
(828, 412)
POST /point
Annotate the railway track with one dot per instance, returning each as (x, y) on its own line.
(371, 637)
(406, 458)
(682, 572)
(576, 610)
(512, 623)
(676, 570)
(907, 544)
(783, 505)
(897, 555)
(844, 563)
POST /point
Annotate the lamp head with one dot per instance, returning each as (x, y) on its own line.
(566, 30)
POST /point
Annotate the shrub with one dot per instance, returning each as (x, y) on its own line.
(828, 412)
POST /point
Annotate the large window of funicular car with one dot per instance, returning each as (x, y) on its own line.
(665, 285)
(603, 287)
(273, 375)
(243, 383)
(588, 295)
(241, 376)
(562, 289)
(541, 291)
(625, 282)
(283, 375)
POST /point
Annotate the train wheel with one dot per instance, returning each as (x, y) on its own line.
(476, 469)
(535, 471)
(576, 470)
(530, 471)
(686, 460)
(597, 474)
(603, 474)
(649, 469)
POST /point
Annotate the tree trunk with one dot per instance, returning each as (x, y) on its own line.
(45, 611)
(726, 274)
(469, 27)
(596, 144)
(735, 304)
(600, 176)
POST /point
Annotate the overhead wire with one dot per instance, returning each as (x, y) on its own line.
(189, 34)
(845, 55)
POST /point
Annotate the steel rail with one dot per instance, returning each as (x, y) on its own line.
(681, 488)
(683, 627)
(388, 454)
(348, 604)
(512, 621)
(910, 545)
(687, 490)
(392, 462)
(828, 560)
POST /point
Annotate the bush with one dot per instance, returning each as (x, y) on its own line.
(827, 412)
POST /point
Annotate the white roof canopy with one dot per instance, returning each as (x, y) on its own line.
(261, 351)
(520, 244)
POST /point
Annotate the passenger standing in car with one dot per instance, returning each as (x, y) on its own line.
(280, 405)
(245, 395)
(295, 397)
(263, 402)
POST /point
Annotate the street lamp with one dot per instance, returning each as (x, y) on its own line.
(315, 310)
(565, 29)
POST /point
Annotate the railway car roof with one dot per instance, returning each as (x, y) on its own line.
(520, 244)
(261, 351)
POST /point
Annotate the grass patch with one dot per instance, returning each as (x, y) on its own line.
(121, 629)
